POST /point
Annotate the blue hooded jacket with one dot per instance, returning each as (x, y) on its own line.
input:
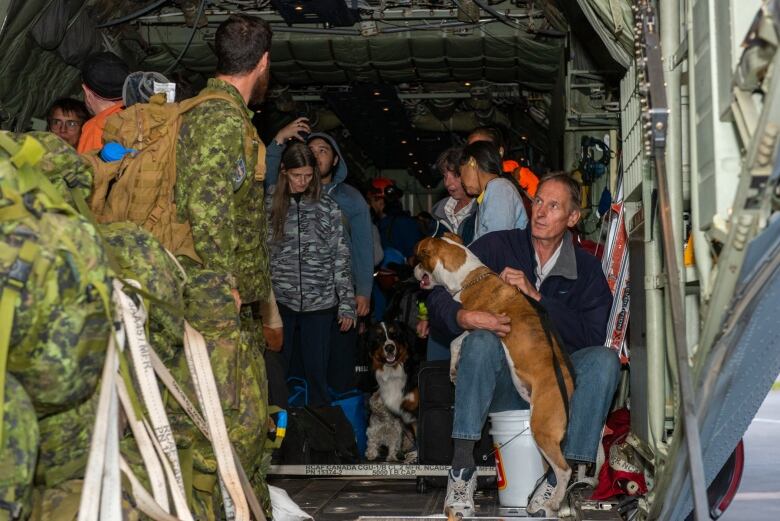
(353, 206)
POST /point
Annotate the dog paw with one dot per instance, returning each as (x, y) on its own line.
(410, 458)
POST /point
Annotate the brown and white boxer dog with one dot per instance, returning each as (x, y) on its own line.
(540, 373)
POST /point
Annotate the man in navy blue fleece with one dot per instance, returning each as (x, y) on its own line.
(333, 172)
(542, 262)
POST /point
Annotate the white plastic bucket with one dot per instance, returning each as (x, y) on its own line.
(518, 461)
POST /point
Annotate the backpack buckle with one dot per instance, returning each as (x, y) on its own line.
(14, 509)
(18, 274)
(30, 201)
(154, 215)
(71, 180)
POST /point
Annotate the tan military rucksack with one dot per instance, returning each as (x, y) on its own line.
(140, 187)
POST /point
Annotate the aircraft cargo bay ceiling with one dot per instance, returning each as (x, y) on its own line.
(412, 70)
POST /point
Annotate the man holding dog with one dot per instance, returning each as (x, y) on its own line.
(542, 262)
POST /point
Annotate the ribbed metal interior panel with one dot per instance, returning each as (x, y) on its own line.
(631, 130)
(716, 156)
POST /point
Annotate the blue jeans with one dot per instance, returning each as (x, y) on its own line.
(484, 385)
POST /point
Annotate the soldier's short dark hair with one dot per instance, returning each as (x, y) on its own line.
(240, 42)
(571, 184)
(69, 106)
(449, 160)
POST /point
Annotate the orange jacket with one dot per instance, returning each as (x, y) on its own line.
(92, 131)
(525, 177)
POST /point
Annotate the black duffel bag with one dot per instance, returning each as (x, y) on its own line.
(318, 435)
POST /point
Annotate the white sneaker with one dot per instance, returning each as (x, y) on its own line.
(580, 476)
(461, 484)
(538, 501)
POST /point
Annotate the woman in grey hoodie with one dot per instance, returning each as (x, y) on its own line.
(310, 267)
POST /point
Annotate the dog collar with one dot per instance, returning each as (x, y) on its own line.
(477, 279)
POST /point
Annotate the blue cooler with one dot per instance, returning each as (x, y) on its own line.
(353, 405)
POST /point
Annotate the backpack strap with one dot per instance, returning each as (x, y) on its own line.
(23, 157)
(250, 134)
(12, 288)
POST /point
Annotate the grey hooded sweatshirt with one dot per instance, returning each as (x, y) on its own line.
(310, 265)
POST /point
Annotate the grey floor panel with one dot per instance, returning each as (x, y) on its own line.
(345, 499)
(352, 499)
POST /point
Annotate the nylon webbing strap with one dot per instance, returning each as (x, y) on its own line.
(144, 501)
(28, 153)
(101, 497)
(16, 278)
(89, 508)
(145, 447)
(181, 398)
(206, 390)
(134, 319)
(158, 440)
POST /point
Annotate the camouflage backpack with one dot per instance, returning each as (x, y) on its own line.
(18, 451)
(54, 280)
(140, 187)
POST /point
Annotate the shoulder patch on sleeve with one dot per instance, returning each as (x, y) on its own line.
(239, 175)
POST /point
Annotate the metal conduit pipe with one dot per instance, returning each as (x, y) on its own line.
(685, 138)
(692, 304)
(701, 245)
(670, 41)
(655, 324)
(389, 30)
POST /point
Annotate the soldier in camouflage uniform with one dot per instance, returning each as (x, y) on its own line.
(219, 191)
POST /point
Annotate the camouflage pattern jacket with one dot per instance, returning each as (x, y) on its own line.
(310, 264)
(219, 192)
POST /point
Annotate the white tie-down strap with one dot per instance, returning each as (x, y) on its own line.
(180, 396)
(206, 390)
(98, 482)
(134, 320)
(146, 448)
(101, 498)
(144, 501)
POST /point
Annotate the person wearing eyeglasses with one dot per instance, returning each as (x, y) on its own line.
(65, 118)
(310, 268)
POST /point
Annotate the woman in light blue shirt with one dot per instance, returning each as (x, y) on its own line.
(500, 204)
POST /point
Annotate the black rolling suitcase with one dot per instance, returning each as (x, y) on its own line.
(434, 425)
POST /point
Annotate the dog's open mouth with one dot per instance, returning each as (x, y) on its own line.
(425, 281)
(389, 358)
